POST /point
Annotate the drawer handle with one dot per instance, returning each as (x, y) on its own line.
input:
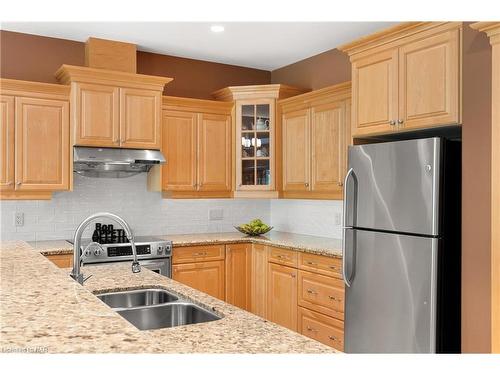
(293, 275)
(200, 254)
(334, 268)
(282, 256)
(335, 298)
(312, 263)
(312, 329)
(310, 291)
(333, 338)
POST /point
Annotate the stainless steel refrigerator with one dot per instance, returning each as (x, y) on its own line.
(401, 244)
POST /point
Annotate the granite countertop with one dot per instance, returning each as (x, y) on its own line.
(43, 310)
(310, 244)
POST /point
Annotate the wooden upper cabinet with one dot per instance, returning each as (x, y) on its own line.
(315, 131)
(405, 78)
(214, 150)
(375, 93)
(238, 275)
(97, 115)
(7, 143)
(140, 118)
(179, 145)
(429, 81)
(282, 295)
(42, 129)
(328, 145)
(296, 150)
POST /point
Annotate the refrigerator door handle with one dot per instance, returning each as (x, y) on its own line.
(350, 173)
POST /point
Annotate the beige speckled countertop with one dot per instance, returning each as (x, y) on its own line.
(311, 244)
(42, 308)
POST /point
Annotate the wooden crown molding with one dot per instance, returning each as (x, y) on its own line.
(391, 34)
(272, 91)
(338, 91)
(492, 29)
(22, 88)
(175, 103)
(71, 73)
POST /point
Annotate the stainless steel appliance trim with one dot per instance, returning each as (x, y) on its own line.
(344, 228)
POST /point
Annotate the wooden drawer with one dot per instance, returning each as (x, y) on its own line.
(61, 260)
(190, 254)
(322, 328)
(283, 256)
(322, 294)
(323, 265)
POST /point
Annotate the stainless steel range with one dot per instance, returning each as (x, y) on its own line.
(153, 253)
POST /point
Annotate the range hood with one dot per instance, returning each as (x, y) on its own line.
(114, 162)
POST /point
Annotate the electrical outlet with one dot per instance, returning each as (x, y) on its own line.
(338, 218)
(216, 214)
(19, 219)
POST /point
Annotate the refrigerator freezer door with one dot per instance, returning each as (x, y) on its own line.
(391, 303)
(397, 186)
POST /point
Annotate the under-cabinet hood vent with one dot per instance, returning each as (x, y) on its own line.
(114, 162)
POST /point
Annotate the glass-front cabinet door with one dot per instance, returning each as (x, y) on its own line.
(255, 130)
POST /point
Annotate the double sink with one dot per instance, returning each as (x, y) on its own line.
(155, 308)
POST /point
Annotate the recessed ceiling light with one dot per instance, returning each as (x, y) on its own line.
(217, 28)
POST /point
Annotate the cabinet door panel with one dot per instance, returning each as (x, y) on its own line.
(282, 295)
(42, 128)
(327, 141)
(140, 117)
(429, 81)
(97, 115)
(375, 93)
(296, 158)
(207, 277)
(259, 281)
(238, 270)
(179, 148)
(7, 143)
(214, 145)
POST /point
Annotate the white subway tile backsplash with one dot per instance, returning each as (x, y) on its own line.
(149, 214)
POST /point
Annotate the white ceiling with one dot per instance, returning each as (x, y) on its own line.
(262, 45)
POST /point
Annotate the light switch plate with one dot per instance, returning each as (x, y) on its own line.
(19, 219)
(215, 214)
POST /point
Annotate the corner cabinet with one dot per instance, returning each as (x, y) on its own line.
(256, 137)
(315, 135)
(196, 141)
(34, 121)
(114, 109)
(406, 78)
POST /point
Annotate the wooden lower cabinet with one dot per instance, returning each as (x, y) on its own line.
(320, 327)
(258, 287)
(321, 293)
(238, 270)
(282, 295)
(61, 260)
(207, 277)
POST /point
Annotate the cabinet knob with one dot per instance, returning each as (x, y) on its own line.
(392, 122)
(311, 329)
(310, 291)
(307, 184)
(400, 122)
(340, 183)
(18, 183)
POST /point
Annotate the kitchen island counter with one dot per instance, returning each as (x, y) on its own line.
(43, 309)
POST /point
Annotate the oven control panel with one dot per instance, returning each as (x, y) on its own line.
(121, 252)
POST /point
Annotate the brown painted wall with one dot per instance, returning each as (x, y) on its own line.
(476, 192)
(197, 78)
(327, 68)
(36, 58)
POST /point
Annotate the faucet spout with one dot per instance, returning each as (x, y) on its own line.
(78, 258)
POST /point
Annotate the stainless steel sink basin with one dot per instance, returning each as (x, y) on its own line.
(137, 298)
(168, 315)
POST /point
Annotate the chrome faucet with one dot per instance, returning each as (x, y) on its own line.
(78, 258)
